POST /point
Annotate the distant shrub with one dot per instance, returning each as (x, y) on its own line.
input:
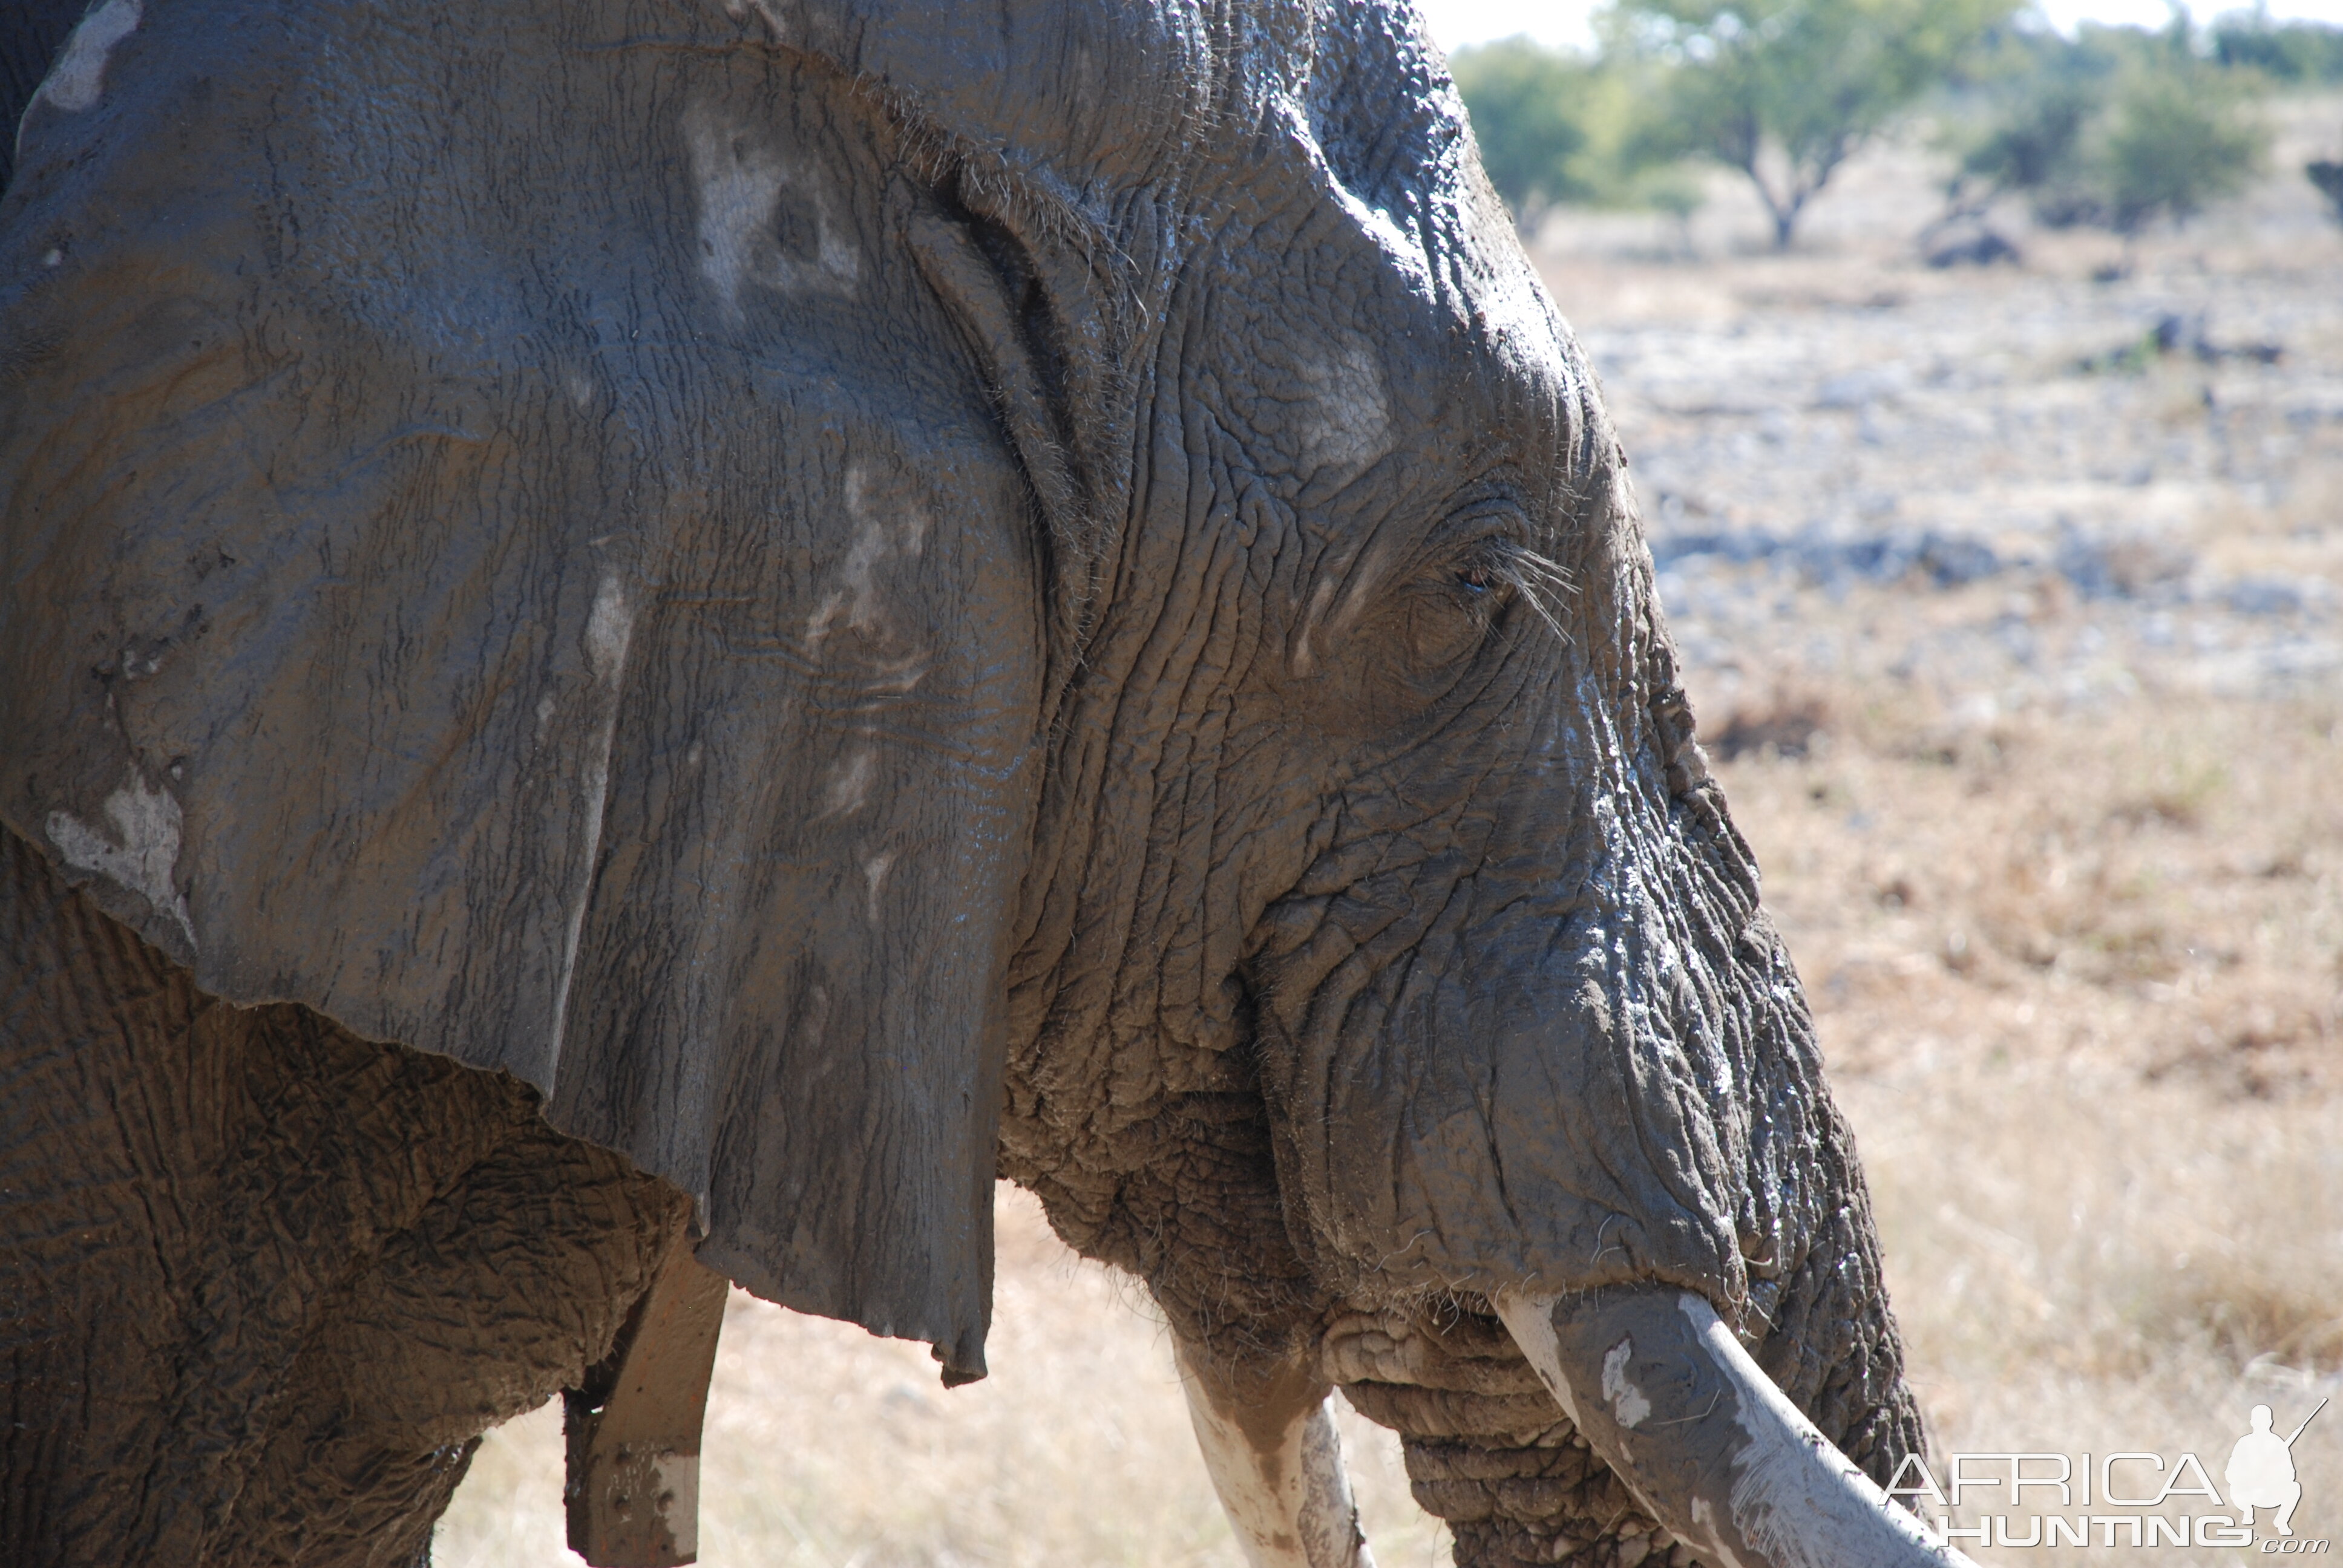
(2288, 52)
(2033, 146)
(2175, 141)
(2117, 127)
(1784, 91)
(2327, 177)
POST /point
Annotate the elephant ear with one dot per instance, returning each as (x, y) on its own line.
(1056, 134)
(537, 574)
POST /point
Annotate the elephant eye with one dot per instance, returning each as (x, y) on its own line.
(1523, 576)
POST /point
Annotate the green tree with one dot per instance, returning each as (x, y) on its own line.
(2020, 123)
(1785, 90)
(1557, 128)
(1525, 101)
(2288, 52)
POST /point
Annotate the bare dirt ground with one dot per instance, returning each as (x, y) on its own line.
(2018, 635)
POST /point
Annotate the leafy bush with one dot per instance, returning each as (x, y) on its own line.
(2172, 142)
(2116, 128)
(2033, 146)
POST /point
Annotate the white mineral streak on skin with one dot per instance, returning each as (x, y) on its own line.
(896, 675)
(854, 601)
(146, 824)
(739, 179)
(80, 75)
(675, 1483)
(1348, 422)
(836, 264)
(610, 626)
(736, 9)
(914, 524)
(1305, 657)
(739, 185)
(1364, 580)
(1627, 1402)
(1364, 572)
(850, 783)
(1291, 1507)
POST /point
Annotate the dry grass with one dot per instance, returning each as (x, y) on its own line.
(2080, 977)
(2086, 1264)
(2157, 889)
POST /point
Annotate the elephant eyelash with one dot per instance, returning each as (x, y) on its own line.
(1541, 583)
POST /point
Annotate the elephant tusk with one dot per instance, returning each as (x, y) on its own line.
(1713, 1450)
(1276, 1461)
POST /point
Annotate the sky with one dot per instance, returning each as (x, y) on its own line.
(1455, 22)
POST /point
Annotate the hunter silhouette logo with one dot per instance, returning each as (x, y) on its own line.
(2261, 1471)
(2130, 1498)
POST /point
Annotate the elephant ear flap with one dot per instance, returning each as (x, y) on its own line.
(1039, 124)
(1029, 317)
(643, 700)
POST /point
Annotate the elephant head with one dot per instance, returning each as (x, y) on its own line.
(864, 594)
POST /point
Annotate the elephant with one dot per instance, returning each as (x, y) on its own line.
(650, 640)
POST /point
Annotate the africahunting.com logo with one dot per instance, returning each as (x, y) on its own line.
(2117, 1499)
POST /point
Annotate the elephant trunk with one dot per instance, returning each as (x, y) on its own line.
(1711, 1448)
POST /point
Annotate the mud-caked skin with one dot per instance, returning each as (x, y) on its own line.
(799, 604)
(266, 1282)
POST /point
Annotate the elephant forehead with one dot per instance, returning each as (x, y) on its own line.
(1366, 402)
(1401, 246)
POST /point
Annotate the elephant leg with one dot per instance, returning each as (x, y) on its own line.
(503, 1292)
(226, 1232)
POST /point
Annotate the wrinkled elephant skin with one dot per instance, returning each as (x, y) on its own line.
(661, 622)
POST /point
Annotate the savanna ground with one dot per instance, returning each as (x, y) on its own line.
(2016, 627)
